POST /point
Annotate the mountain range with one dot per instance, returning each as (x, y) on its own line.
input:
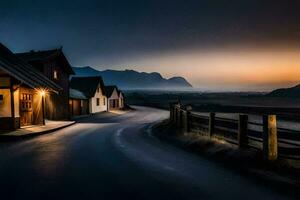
(286, 92)
(130, 79)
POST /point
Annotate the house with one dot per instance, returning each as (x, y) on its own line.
(121, 99)
(54, 65)
(112, 97)
(93, 89)
(22, 92)
(79, 103)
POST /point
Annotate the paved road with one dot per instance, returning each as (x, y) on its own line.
(116, 157)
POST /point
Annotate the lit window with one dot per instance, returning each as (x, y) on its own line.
(55, 74)
(26, 102)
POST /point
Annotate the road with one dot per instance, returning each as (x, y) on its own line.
(112, 156)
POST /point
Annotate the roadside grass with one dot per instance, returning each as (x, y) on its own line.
(283, 172)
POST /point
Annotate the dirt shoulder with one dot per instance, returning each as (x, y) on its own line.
(283, 174)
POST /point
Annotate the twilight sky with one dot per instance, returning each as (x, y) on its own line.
(216, 45)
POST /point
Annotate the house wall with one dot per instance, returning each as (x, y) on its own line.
(121, 100)
(57, 105)
(17, 102)
(79, 107)
(37, 108)
(5, 105)
(84, 107)
(114, 97)
(76, 107)
(93, 101)
(7, 121)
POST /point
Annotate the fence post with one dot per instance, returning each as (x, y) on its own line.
(270, 145)
(211, 125)
(242, 132)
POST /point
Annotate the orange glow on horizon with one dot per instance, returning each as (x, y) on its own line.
(231, 67)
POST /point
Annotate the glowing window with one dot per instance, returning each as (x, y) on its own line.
(55, 74)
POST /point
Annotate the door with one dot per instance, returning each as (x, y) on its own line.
(111, 104)
(26, 115)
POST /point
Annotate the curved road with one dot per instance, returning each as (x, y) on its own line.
(111, 156)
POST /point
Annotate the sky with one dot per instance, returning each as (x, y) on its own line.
(246, 45)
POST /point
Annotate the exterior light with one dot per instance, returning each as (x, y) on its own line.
(43, 93)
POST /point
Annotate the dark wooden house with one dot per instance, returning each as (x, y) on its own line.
(55, 66)
(79, 103)
(22, 92)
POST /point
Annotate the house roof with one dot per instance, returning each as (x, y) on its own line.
(45, 55)
(120, 92)
(76, 94)
(87, 85)
(24, 72)
(110, 89)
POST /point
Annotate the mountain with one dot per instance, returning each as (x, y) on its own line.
(130, 79)
(286, 92)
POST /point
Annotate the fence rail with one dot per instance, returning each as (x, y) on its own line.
(266, 136)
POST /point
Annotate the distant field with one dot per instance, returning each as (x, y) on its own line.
(253, 103)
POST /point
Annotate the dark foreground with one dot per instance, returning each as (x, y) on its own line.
(116, 157)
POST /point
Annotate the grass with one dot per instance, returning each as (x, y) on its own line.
(283, 173)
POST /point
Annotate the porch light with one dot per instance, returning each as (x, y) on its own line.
(42, 93)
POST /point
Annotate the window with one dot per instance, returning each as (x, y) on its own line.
(55, 74)
(104, 101)
(1, 98)
(26, 102)
(98, 89)
(97, 101)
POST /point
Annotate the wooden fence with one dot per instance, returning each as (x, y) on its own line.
(265, 136)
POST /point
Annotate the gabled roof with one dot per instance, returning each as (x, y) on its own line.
(45, 55)
(119, 92)
(109, 90)
(76, 94)
(87, 85)
(24, 72)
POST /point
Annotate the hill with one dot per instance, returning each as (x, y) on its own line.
(130, 79)
(286, 92)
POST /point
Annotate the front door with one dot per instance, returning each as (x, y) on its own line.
(26, 116)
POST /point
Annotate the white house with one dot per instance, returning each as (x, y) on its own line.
(121, 99)
(112, 95)
(93, 89)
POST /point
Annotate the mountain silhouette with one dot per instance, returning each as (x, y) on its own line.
(130, 79)
(286, 92)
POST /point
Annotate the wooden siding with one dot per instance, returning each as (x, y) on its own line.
(79, 107)
(56, 105)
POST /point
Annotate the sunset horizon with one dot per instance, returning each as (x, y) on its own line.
(238, 46)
